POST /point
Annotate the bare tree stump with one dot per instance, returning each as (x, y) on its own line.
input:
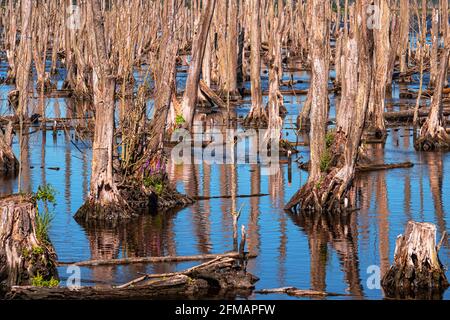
(8, 161)
(417, 270)
(22, 255)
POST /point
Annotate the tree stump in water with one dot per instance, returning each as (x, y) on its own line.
(23, 255)
(8, 161)
(417, 271)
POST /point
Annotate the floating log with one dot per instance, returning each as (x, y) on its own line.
(125, 261)
(369, 167)
(221, 278)
(417, 271)
(292, 291)
(408, 115)
(200, 198)
(378, 167)
(23, 255)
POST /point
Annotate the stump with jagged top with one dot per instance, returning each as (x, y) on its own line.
(417, 271)
(23, 254)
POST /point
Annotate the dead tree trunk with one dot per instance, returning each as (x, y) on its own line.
(8, 161)
(257, 116)
(404, 34)
(433, 135)
(376, 124)
(105, 201)
(434, 48)
(320, 53)
(23, 255)
(198, 50)
(275, 96)
(25, 57)
(10, 42)
(416, 271)
(333, 161)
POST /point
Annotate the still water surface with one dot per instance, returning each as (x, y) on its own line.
(305, 252)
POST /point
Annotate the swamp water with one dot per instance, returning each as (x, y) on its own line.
(321, 254)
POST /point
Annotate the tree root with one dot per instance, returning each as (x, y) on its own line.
(257, 118)
(433, 142)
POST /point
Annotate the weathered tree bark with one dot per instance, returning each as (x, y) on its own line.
(226, 276)
(320, 53)
(198, 51)
(105, 201)
(8, 161)
(404, 34)
(257, 116)
(375, 121)
(11, 42)
(23, 255)
(434, 72)
(417, 271)
(25, 57)
(333, 166)
(433, 135)
(275, 65)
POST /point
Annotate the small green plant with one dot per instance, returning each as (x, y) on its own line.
(179, 120)
(38, 281)
(329, 139)
(46, 195)
(38, 250)
(325, 161)
(155, 183)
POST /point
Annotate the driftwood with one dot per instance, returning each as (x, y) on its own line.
(370, 167)
(292, 291)
(211, 95)
(201, 198)
(125, 261)
(378, 167)
(408, 115)
(222, 277)
(417, 271)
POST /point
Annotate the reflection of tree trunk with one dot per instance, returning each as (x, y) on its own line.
(253, 224)
(435, 173)
(68, 173)
(341, 232)
(383, 221)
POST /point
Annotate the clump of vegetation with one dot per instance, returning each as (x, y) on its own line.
(329, 138)
(325, 161)
(327, 157)
(179, 120)
(39, 281)
(45, 195)
(155, 183)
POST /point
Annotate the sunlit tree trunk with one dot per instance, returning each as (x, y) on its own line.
(257, 116)
(198, 50)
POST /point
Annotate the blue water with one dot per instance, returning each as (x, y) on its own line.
(291, 251)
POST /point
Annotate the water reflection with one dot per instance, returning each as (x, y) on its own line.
(338, 233)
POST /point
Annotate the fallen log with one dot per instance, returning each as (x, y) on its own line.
(417, 271)
(292, 291)
(221, 278)
(379, 167)
(211, 95)
(369, 167)
(125, 261)
(201, 198)
(408, 115)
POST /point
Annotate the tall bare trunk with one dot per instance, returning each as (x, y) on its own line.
(257, 115)
(198, 50)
